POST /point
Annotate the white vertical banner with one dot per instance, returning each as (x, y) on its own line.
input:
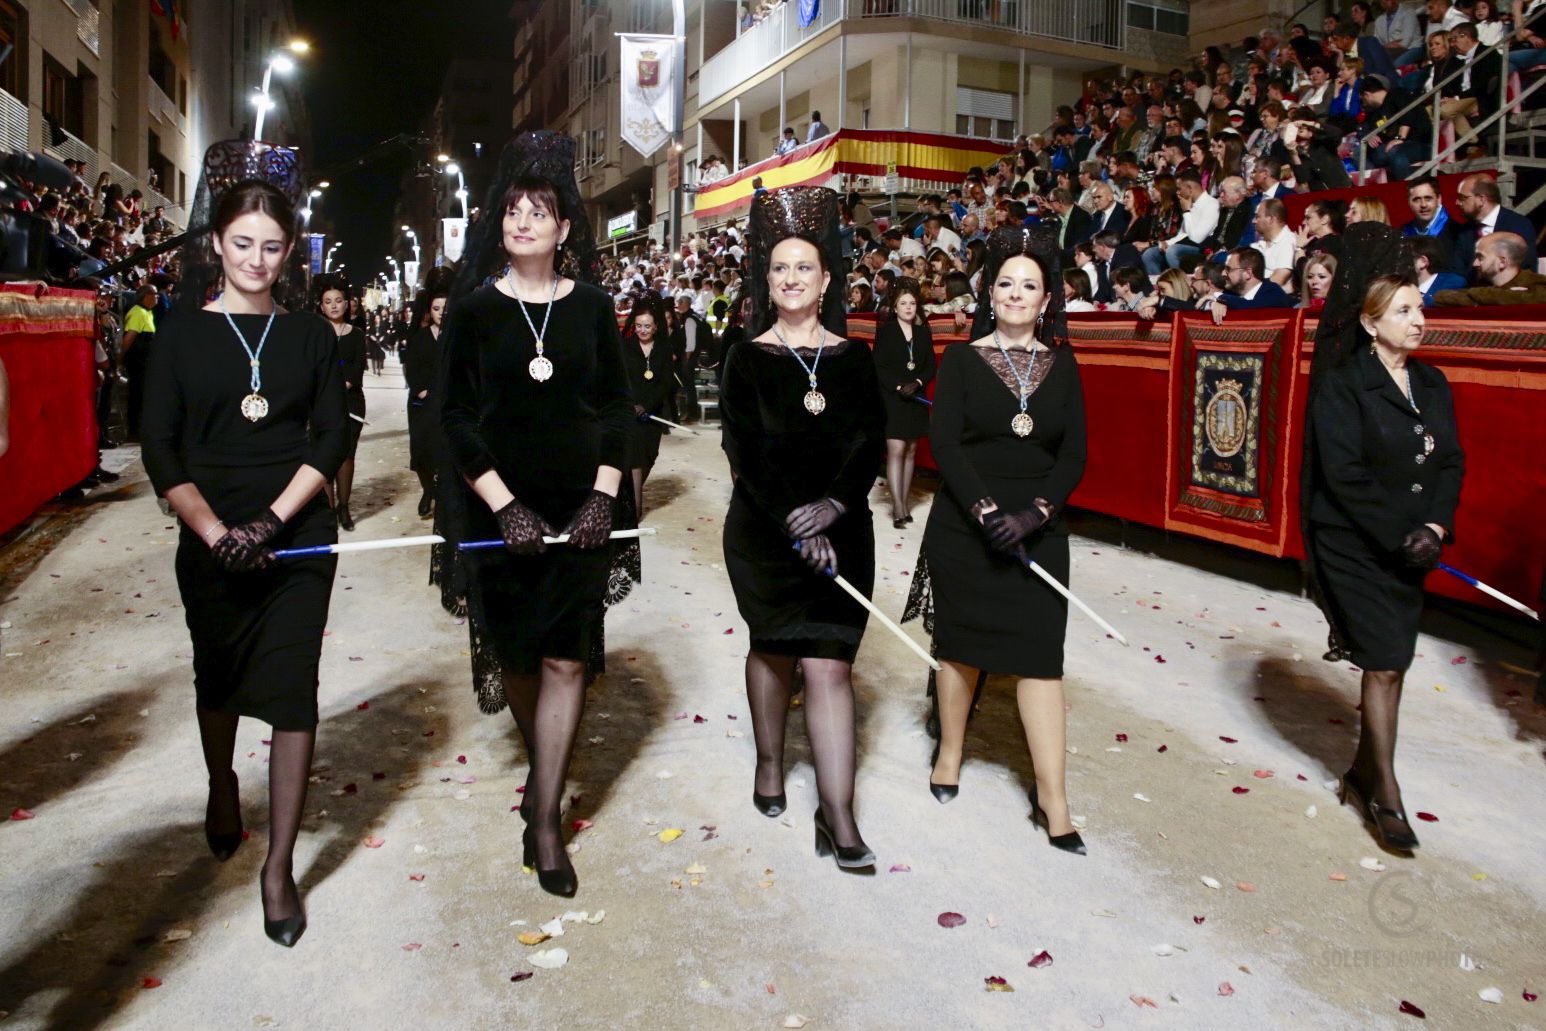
(455, 233)
(411, 274)
(647, 72)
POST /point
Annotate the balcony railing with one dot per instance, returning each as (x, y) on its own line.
(162, 105)
(13, 124)
(73, 148)
(88, 28)
(1097, 22)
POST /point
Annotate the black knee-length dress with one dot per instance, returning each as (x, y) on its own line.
(546, 440)
(784, 457)
(989, 611)
(905, 420)
(652, 393)
(257, 637)
(421, 370)
(351, 365)
(1382, 468)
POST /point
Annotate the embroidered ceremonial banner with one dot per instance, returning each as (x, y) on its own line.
(455, 233)
(647, 75)
(1231, 470)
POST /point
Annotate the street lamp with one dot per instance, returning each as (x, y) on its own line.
(452, 168)
(415, 238)
(327, 265)
(283, 64)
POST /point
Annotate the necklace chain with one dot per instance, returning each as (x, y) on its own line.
(510, 277)
(810, 370)
(1023, 381)
(253, 357)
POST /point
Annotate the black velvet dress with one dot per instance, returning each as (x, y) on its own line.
(989, 611)
(257, 637)
(421, 370)
(1382, 468)
(905, 420)
(784, 457)
(652, 393)
(351, 367)
(546, 441)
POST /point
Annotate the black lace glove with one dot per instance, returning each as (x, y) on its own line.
(244, 548)
(810, 520)
(908, 390)
(522, 529)
(819, 554)
(1008, 529)
(1421, 548)
(591, 526)
(640, 414)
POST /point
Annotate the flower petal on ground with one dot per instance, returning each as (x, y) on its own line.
(1412, 1011)
(1427, 817)
(374, 842)
(997, 984)
(1226, 989)
(1370, 863)
(1492, 995)
(1211, 882)
(669, 835)
(1040, 960)
(951, 920)
(522, 975)
(549, 959)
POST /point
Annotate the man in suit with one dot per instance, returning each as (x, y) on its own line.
(690, 334)
(1498, 276)
(1482, 205)
(1429, 255)
(1111, 254)
(1376, 59)
(1475, 93)
(1244, 268)
(1234, 214)
(1073, 221)
(1105, 212)
(1264, 183)
(1430, 219)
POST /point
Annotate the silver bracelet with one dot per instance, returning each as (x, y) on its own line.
(219, 525)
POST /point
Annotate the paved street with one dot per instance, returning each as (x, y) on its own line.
(1225, 888)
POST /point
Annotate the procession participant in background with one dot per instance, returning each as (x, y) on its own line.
(1007, 431)
(651, 382)
(245, 423)
(535, 409)
(421, 370)
(333, 300)
(690, 337)
(803, 430)
(139, 337)
(904, 364)
(1382, 480)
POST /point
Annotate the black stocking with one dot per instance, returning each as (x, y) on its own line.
(521, 694)
(289, 767)
(767, 696)
(896, 474)
(217, 733)
(427, 482)
(560, 704)
(1375, 763)
(829, 721)
(345, 481)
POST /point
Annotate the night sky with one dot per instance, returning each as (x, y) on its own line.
(375, 71)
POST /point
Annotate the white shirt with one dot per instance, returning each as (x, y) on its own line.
(1279, 253)
(948, 241)
(1251, 293)
(1452, 17)
(1399, 27)
(702, 300)
(1488, 224)
(690, 334)
(1489, 32)
(817, 131)
(1425, 282)
(1199, 223)
(911, 248)
(1077, 305)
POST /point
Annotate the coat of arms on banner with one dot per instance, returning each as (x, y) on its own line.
(1226, 414)
(649, 69)
(648, 83)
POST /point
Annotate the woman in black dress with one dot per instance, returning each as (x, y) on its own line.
(535, 410)
(1384, 485)
(803, 429)
(244, 426)
(904, 363)
(651, 368)
(421, 370)
(1008, 433)
(333, 302)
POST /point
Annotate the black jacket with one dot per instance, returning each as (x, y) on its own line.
(1232, 224)
(1320, 167)
(1080, 228)
(1373, 469)
(703, 339)
(1508, 222)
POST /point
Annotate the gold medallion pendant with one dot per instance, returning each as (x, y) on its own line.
(1022, 425)
(254, 407)
(815, 403)
(540, 369)
(649, 373)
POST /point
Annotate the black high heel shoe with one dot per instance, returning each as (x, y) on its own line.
(345, 520)
(848, 857)
(224, 846)
(284, 932)
(561, 881)
(1070, 842)
(770, 805)
(900, 524)
(426, 506)
(1400, 839)
(942, 792)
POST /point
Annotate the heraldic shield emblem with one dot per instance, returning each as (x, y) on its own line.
(649, 69)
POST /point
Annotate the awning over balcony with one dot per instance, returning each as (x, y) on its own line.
(928, 156)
